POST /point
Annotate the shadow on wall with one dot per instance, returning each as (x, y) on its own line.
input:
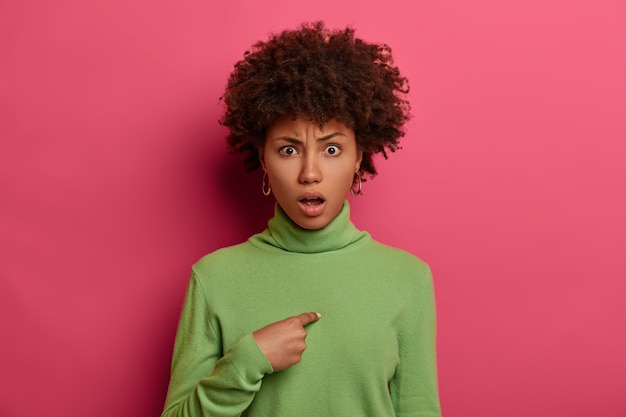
(241, 194)
(224, 201)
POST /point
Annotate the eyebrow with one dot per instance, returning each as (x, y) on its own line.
(299, 142)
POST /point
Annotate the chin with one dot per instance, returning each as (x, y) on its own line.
(315, 223)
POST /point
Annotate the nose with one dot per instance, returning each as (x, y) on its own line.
(310, 172)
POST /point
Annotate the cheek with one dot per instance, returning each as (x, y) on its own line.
(281, 177)
(342, 178)
(348, 170)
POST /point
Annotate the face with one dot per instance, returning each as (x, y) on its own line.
(310, 169)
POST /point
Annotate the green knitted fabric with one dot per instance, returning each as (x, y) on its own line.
(372, 354)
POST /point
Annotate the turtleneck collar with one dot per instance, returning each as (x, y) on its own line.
(283, 233)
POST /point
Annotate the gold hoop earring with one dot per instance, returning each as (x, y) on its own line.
(266, 191)
(359, 190)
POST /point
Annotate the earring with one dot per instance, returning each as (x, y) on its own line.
(359, 190)
(266, 191)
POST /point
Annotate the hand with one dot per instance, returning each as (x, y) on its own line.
(282, 342)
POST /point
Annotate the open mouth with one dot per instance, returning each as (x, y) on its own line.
(312, 202)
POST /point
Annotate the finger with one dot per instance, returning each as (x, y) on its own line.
(306, 318)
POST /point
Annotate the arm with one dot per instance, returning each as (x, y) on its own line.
(205, 381)
(413, 388)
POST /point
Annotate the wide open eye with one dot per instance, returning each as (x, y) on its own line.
(333, 150)
(288, 150)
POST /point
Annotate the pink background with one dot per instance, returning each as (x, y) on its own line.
(511, 184)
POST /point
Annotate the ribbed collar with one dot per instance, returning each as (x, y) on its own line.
(283, 233)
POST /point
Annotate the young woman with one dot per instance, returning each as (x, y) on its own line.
(310, 107)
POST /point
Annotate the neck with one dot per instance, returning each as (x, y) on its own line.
(283, 233)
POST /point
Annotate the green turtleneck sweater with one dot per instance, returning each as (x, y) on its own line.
(372, 354)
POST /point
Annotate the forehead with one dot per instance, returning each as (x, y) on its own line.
(299, 127)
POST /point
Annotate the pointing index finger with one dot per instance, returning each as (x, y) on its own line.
(307, 318)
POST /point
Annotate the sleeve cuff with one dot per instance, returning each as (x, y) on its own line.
(248, 359)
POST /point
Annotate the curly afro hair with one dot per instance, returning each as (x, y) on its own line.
(317, 74)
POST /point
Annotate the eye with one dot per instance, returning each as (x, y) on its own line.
(333, 150)
(287, 150)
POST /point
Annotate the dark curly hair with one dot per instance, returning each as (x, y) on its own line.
(318, 74)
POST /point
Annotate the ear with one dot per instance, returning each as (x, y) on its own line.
(261, 159)
(359, 158)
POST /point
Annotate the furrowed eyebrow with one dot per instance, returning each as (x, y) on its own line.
(299, 142)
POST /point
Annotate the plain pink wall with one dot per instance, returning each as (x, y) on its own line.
(511, 184)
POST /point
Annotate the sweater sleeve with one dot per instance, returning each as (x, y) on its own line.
(204, 381)
(414, 387)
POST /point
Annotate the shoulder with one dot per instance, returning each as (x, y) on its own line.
(397, 257)
(398, 273)
(225, 258)
(399, 267)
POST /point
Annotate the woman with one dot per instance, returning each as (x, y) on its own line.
(310, 107)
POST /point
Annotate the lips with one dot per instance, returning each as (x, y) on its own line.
(311, 198)
(312, 204)
(311, 201)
